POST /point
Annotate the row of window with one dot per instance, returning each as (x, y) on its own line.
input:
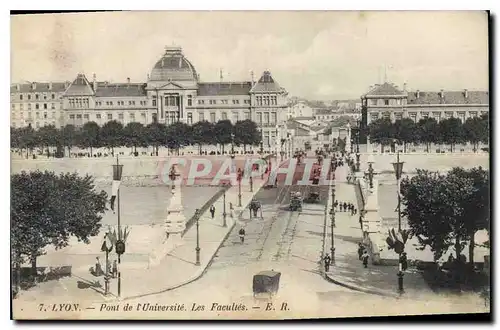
(37, 96)
(79, 102)
(213, 118)
(37, 115)
(37, 106)
(436, 115)
(375, 102)
(267, 100)
(109, 116)
(37, 124)
(212, 102)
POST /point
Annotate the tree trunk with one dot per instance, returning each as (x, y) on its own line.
(199, 148)
(244, 148)
(472, 242)
(91, 152)
(457, 247)
(427, 147)
(18, 273)
(404, 147)
(223, 148)
(135, 149)
(27, 153)
(112, 151)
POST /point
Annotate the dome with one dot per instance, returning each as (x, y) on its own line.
(173, 66)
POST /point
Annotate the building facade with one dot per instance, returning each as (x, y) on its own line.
(173, 92)
(300, 109)
(387, 101)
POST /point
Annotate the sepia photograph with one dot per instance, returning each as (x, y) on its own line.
(249, 165)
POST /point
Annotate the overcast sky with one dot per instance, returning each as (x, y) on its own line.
(318, 55)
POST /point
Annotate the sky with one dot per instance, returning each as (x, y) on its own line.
(321, 55)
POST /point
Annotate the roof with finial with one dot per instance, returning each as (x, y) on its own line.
(80, 86)
(173, 65)
(385, 89)
(224, 88)
(266, 83)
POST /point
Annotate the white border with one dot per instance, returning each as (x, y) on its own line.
(182, 5)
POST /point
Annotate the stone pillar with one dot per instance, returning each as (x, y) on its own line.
(348, 139)
(372, 222)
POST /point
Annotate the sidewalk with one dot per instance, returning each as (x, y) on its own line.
(348, 271)
(179, 268)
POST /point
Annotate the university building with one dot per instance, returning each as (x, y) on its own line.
(387, 101)
(173, 92)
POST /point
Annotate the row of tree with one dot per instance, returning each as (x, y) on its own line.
(446, 211)
(427, 131)
(113, 134)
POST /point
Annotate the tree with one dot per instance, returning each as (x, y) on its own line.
(223, 130)
(112, 135)
(156, 135)
(381, 131)
(203, 133)
(427, 131)
(47, 136)
(405, 131)
(68, 137)
(48, 209)
(178, 135)
(89, 137)
(246, 133)
(451, 131)
(484, 129)
(446, 210)
(27, 139)
(15, 137)
(134, 135)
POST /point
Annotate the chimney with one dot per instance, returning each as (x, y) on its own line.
(466, 94)
(50, 86)
(442, 93)
(162, 62)
(404, 87)
(128, 80)
(94, 82)
(33, 85)
(148, 77)
(18, 87)
(417, 94)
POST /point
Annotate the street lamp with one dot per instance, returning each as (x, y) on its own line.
(107, 247)
(251, 182)
(332, 214)
(357, 145)
(239, 177)
(117, 177)
(370, 170)
(197, 214)
(398, 171)
(232, 145)
(224, 224)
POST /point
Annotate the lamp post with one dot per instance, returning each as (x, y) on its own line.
(357, 145)
(370, 174)
(197, 237)
(332, 214)
(398, 170)
(239, 177)
(251, 182)
(117, 177)
(232, 145)
(224, 223)
(106, 247)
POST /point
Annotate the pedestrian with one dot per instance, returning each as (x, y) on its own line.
(365, 258)
(212, 211)
(404, 261)
(231, 208)
(327, 260)
(345, 206)
(355, 211)
(115, 269)
(98, 267)
(361, 249)
(241, 234)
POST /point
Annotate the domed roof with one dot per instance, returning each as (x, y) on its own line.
(173, 66)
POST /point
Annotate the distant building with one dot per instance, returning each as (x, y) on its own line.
(173, 92)
(387, 101)
(300, 109)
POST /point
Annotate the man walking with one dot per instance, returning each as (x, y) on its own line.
(365, 257)
(327, 260)
(361, 249)
(241, 234)
(212, 211)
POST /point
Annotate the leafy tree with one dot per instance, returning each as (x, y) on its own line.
(446, 210)
(27, 139)
(68, 137)
(246, 133)
(451, 131)
(427, 131)
(15, 137)
(484, 129)
(112, 135)
(89, 136)
(48, 209)
(203, 133)
(223, 130)
(48, 136)
(405, 131)
(134, 135)
(381, 131)
(178, 135)
(156, 135)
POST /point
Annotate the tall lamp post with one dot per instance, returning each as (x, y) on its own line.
(239, 177)
(332, 214)
(370, 173)
(197, 213)
(224, 214)
(357, 145)
(120, 245)
(232, 145)
(106, 247)
(398, 170)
